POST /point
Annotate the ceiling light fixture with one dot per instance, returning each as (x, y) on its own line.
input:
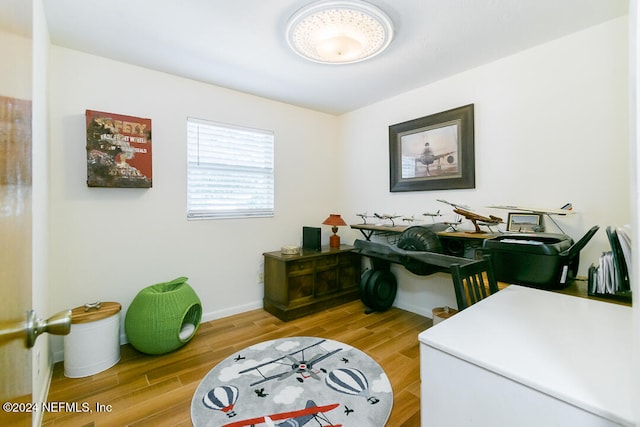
(339, 32)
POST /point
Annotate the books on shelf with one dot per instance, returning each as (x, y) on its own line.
(610, 278)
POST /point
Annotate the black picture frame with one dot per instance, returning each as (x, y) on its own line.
(417, 149)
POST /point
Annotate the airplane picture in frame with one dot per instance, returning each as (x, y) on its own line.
(434, 152)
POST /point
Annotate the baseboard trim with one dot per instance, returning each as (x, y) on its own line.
(219, 314)
(38, 416)
(414, 309)
(58, 355)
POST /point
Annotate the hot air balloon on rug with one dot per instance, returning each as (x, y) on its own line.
(350, 381)
(222, 398)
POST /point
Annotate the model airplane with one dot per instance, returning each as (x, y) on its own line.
(474, 217)
(455, 205)
(432, 215)
(387, 217)
(410, 219)
(453, 225)
(565, 210)
(383, 217)
(364, 216)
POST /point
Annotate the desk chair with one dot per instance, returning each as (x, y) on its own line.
(473, 281)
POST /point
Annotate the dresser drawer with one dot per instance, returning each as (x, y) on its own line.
(327, 261)
(295, 268)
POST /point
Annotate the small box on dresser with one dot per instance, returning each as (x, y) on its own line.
(311, 281)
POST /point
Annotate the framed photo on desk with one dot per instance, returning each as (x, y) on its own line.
(525, 222)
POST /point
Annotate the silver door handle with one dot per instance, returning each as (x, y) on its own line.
(58, 324)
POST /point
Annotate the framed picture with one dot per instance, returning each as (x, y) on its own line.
(525, 222)
(434, 152)
(118, 150)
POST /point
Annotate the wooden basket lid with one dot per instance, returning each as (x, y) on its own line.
(92, 312)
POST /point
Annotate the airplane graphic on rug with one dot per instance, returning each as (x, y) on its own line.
(293, 382)
(298, 366)
(296, 418)
(343, 380)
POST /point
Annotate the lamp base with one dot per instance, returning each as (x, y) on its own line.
(334, 241)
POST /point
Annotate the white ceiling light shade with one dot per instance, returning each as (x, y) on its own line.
(339, 32)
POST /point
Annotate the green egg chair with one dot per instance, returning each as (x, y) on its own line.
(163, 317)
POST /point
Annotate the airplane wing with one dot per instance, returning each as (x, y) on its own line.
(272, 377)
(439, 156)
(320, 358)
(309, 410)
(280, 358)
(285, 374)
(453, 204)
(534, 210)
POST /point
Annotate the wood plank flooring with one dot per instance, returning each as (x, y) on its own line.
(143, 390)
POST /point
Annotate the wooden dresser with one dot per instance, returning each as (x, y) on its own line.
(305, 283)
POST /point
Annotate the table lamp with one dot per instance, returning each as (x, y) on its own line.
(334, 221)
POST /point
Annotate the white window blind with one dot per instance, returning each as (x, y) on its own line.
(230, 171)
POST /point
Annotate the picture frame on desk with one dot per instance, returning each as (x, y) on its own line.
(525, 222)
(434, 152)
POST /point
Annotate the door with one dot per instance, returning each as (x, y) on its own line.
(15, 250)
(15, 209)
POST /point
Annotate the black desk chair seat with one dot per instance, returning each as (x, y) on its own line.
(473, 281)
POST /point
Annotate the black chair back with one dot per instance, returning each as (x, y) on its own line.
(473, 281)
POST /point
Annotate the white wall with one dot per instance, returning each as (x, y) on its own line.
(12, 83)
(551, 126)
(108, 244)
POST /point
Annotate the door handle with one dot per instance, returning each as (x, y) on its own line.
(58, 324)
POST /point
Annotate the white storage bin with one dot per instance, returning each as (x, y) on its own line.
(93, 344)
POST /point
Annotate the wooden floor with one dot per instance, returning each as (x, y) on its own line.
(143, 390)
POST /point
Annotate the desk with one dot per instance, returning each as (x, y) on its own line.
(459, 244)
(369, 230)
(528, 357)
(463, 243)
(456, 243)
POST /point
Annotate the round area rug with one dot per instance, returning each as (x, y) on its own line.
(292, 381)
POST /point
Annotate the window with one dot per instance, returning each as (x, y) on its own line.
(230, 171)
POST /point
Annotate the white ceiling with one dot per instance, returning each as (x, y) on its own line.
(240, 44)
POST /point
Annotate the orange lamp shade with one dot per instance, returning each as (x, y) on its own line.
(334, 220)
